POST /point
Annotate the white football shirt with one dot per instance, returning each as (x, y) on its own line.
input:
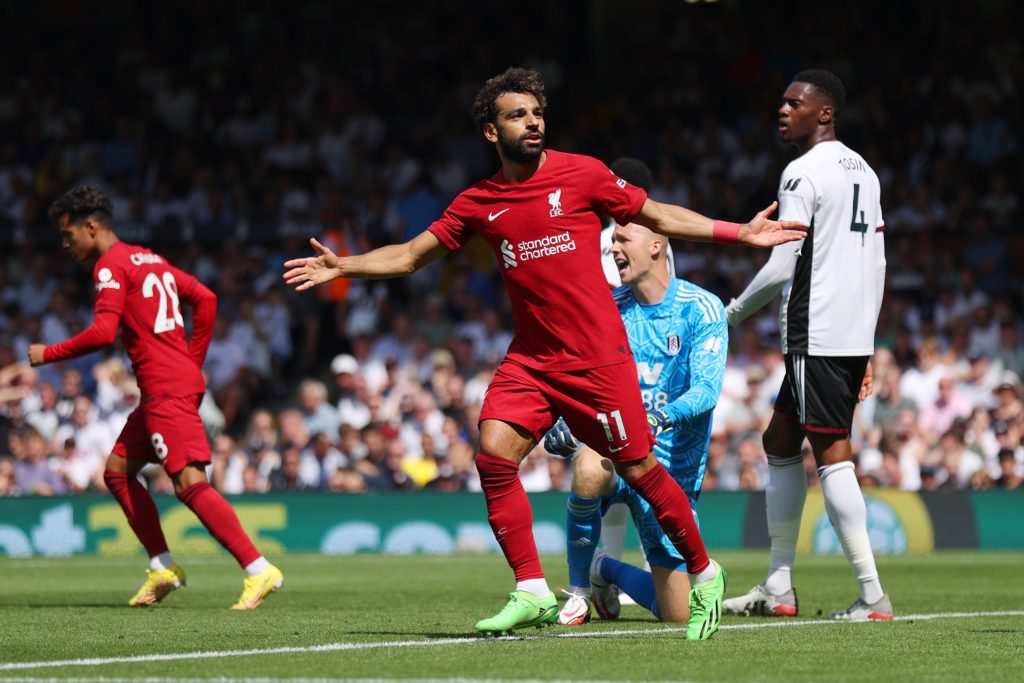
(830, 306)
(832, 281)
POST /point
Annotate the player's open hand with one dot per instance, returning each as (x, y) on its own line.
(761, 231)
(312, 270)
(35, 354)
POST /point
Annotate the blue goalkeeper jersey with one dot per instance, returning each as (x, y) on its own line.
(680, 346)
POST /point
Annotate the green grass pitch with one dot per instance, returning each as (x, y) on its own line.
(383, 618)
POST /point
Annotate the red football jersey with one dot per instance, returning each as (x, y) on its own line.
(144, 290)
(546, 234)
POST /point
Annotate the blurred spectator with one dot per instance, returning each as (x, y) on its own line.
(229, 466)
(87, 441)
(8, 481)
(294, 432)
(225, 367)
(262, 432)
(1008, 477)
(43, 418)
(382, 466)
(957, 464)
(1008, 406)
(1010, 354)
(980, 378)
(351, 391)
(320, 460)
(920, 383)
(34, 473)
(889, 403)
(319, 416)
(287, 476)
(937, 416)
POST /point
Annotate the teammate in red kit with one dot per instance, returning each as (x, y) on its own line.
(140, 292)
(570, 357)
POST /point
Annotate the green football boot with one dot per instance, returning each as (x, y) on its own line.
(706, 606)
(523, 610)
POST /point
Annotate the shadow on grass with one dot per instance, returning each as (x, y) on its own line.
(432, 635)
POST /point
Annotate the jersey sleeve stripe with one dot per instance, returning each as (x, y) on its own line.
(692, 297)
(707, 303)
(880, 228)
(682, 298)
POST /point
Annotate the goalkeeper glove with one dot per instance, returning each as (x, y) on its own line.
(560, 441)
(659, 421)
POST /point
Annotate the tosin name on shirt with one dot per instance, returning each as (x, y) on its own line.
(852, 164)
(548, 246)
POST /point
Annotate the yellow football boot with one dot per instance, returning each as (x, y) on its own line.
(159, 583)
(258, 587)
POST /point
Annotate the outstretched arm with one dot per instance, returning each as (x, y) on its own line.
(682, 223)
(101, 333)
(768, 282)
(391, 261)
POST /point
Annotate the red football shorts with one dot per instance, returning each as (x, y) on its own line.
(166, 430)
(602, 406)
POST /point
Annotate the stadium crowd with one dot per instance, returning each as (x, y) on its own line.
(225, 161)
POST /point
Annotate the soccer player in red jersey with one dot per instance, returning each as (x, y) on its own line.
(140, 292)
(570, 357)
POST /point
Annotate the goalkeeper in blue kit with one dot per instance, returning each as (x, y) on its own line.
(679, 337)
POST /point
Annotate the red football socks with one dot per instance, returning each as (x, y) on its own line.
(140, 510)
(672, 509)
(510, 515)
(220, 520)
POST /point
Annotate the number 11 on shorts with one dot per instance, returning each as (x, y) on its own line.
(617, 416)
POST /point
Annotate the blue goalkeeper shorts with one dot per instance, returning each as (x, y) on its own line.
(659, 550)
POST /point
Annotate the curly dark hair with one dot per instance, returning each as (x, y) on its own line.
(514, 79)
(827, 83)
(83, 202)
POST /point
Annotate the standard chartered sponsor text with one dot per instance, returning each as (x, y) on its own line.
(546, 246)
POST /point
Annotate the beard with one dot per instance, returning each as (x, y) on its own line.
(517, 150)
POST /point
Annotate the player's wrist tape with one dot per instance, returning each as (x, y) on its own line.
(726, 232)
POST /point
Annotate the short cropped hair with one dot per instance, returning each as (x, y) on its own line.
(827, 83)
(514, 79)
(83, 202)
(634, 172)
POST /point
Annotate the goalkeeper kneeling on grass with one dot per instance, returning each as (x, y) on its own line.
(679, 336)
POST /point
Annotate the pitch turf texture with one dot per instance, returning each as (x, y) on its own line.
(383, 618)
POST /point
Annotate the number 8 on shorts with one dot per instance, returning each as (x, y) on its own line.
(159, 446)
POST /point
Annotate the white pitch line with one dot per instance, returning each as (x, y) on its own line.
(155, 679)
(786, 624)
(468, 640)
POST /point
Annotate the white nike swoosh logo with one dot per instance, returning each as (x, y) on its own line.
(492, 216)
(616, 450)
